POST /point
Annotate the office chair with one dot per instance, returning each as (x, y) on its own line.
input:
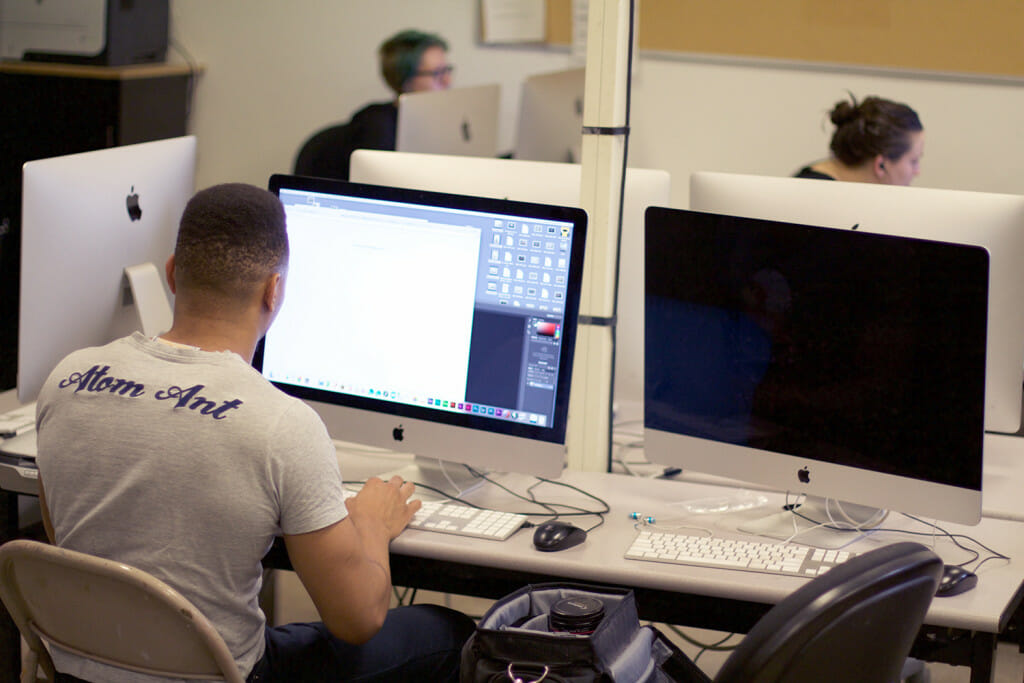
(855, 624)
(326, 153)
(108, 612)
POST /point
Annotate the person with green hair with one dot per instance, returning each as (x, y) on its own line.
(413, 61)
(410, 61)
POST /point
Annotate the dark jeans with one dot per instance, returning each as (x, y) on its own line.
(417, 643)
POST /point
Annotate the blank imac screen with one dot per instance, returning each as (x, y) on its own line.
(447, 308)
(844, 347)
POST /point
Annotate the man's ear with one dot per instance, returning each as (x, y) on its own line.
(273, 292)
(169, 271)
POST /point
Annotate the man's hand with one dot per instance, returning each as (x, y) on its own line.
(386, 503)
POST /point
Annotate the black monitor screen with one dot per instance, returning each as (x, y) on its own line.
(835, 345)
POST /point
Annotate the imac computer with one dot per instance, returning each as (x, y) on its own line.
(97, 228)
(993, 221)
(551, 117)
(453, 121)
(835, 364)
(547, 183)
(436, 324)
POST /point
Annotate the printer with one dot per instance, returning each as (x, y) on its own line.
(101, 32)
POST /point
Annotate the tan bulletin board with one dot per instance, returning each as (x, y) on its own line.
(958, 36)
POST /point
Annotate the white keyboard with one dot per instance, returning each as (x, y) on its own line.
(726, 553)
(18, 421)
(455, 518)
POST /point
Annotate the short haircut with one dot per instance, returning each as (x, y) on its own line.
(872, 127)
(400, 56)
(231, 238)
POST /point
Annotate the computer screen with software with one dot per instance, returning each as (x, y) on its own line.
(442, 325)
(86, 218)
(826, 362)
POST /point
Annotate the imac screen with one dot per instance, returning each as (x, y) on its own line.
(452, 121)
(550, 126)
(441, 324)
(857, 359)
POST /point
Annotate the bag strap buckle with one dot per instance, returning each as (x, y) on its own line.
(516, 679)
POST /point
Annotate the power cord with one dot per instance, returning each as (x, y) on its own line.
(717, 646)
(935, 529)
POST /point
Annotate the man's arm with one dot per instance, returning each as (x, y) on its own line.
(345, 566)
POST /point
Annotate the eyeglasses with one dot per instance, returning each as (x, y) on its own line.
(438, 73)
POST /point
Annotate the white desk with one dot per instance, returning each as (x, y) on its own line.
(1002, 486)
(600, 558)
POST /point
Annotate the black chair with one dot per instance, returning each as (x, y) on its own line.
(854, 624)
(326, 154)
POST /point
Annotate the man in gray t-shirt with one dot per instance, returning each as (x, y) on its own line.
(173, 455)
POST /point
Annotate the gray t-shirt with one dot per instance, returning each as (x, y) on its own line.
(186, 464)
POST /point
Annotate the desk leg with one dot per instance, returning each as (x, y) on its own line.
(10, 639)
(10, 648)
(983, 657)
(8, 516)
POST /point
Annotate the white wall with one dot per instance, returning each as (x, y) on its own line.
(276, 71)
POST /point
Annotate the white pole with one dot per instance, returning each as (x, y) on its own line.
(603, 166)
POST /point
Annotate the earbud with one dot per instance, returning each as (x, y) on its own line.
(638, 517)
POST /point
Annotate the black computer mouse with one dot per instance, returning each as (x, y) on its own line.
(955, 580)
(555, 535)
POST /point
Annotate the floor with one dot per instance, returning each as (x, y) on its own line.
(292, 604)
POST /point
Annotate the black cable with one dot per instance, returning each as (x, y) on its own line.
(618, 246)
(717, 646)
(714, 647)
(993, 554)
(577, 489)
(193, 73)
(549, 507)
(953, 538)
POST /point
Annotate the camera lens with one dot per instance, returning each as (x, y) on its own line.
(579, 615)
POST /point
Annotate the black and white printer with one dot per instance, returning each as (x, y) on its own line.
(101, 32)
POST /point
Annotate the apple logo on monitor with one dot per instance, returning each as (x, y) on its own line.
(132, 202)
(398, 433)
(465, 130)
(804, 475)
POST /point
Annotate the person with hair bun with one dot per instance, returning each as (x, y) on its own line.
(875, 141)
